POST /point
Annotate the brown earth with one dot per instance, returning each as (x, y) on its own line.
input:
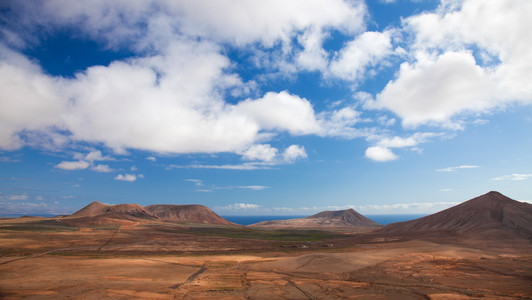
(44, 259)
(487, 257)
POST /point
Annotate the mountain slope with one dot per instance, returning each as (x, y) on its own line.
(186, 213)
(93, 209)
(98, 213)
(325, 219)
(489, 213)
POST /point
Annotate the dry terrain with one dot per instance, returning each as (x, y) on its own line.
(480, 249)
(45, 259)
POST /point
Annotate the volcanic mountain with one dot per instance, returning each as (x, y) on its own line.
(327, 219)
(186, 213)
(491, 214)
(98, 213)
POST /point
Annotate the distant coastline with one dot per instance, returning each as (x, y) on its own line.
(247, 220)
(381, 219)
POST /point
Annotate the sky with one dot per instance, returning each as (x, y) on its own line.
(264, 107)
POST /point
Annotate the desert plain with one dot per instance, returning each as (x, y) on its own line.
(47, 258)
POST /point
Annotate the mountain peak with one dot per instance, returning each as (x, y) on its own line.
(486, 213)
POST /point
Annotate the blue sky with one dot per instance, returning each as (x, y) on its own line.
(264, 107)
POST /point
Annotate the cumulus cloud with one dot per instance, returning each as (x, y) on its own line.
(381, 154)
(263, 152)
(167, 111)
(294, 153)
(364, 52)
(85, 161)
(282, 111)
(468, 57)
(126, 177)
(92, 156)
(382, 151)
(73, 165)
(432, 90)
(102, 168)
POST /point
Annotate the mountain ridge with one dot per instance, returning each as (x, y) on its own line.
(97, 213)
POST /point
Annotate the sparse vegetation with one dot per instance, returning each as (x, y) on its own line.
(38, 226)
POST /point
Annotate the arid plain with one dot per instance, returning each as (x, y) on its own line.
(118, 252)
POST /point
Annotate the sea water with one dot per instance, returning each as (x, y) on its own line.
(247, 220)
(381, 219)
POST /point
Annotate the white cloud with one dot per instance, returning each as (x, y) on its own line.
(382, 150)
(281, 111)
(126, 177)
(517, 177)
(340, 123)
(417, 207)
(240, 206)
(434, 89)
(201, 187)
(151, 158)
(6, 159)
(73, 165)
(30, 100)
(263, 152)
(196, 182)
(293, 153)
(313, 57)
(85, 161)
(381, 154)
(453, 169)
(400, 142)
(179, 73)
(102, 168)
(366, 51)
(244, 166)
(469, 57)
(95, 155)
(18, 197)
(254, 187)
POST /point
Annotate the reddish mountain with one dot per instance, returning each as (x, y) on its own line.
(489, 214)
(325, 219)
(98, 213)
(93, 209)
(348, 217)
(186, 213)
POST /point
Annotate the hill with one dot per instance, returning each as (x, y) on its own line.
(186, 213)
(348, 218)
(98, 213)
(491, 214)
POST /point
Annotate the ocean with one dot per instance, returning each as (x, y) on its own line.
(381, 219)
(247, 220)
